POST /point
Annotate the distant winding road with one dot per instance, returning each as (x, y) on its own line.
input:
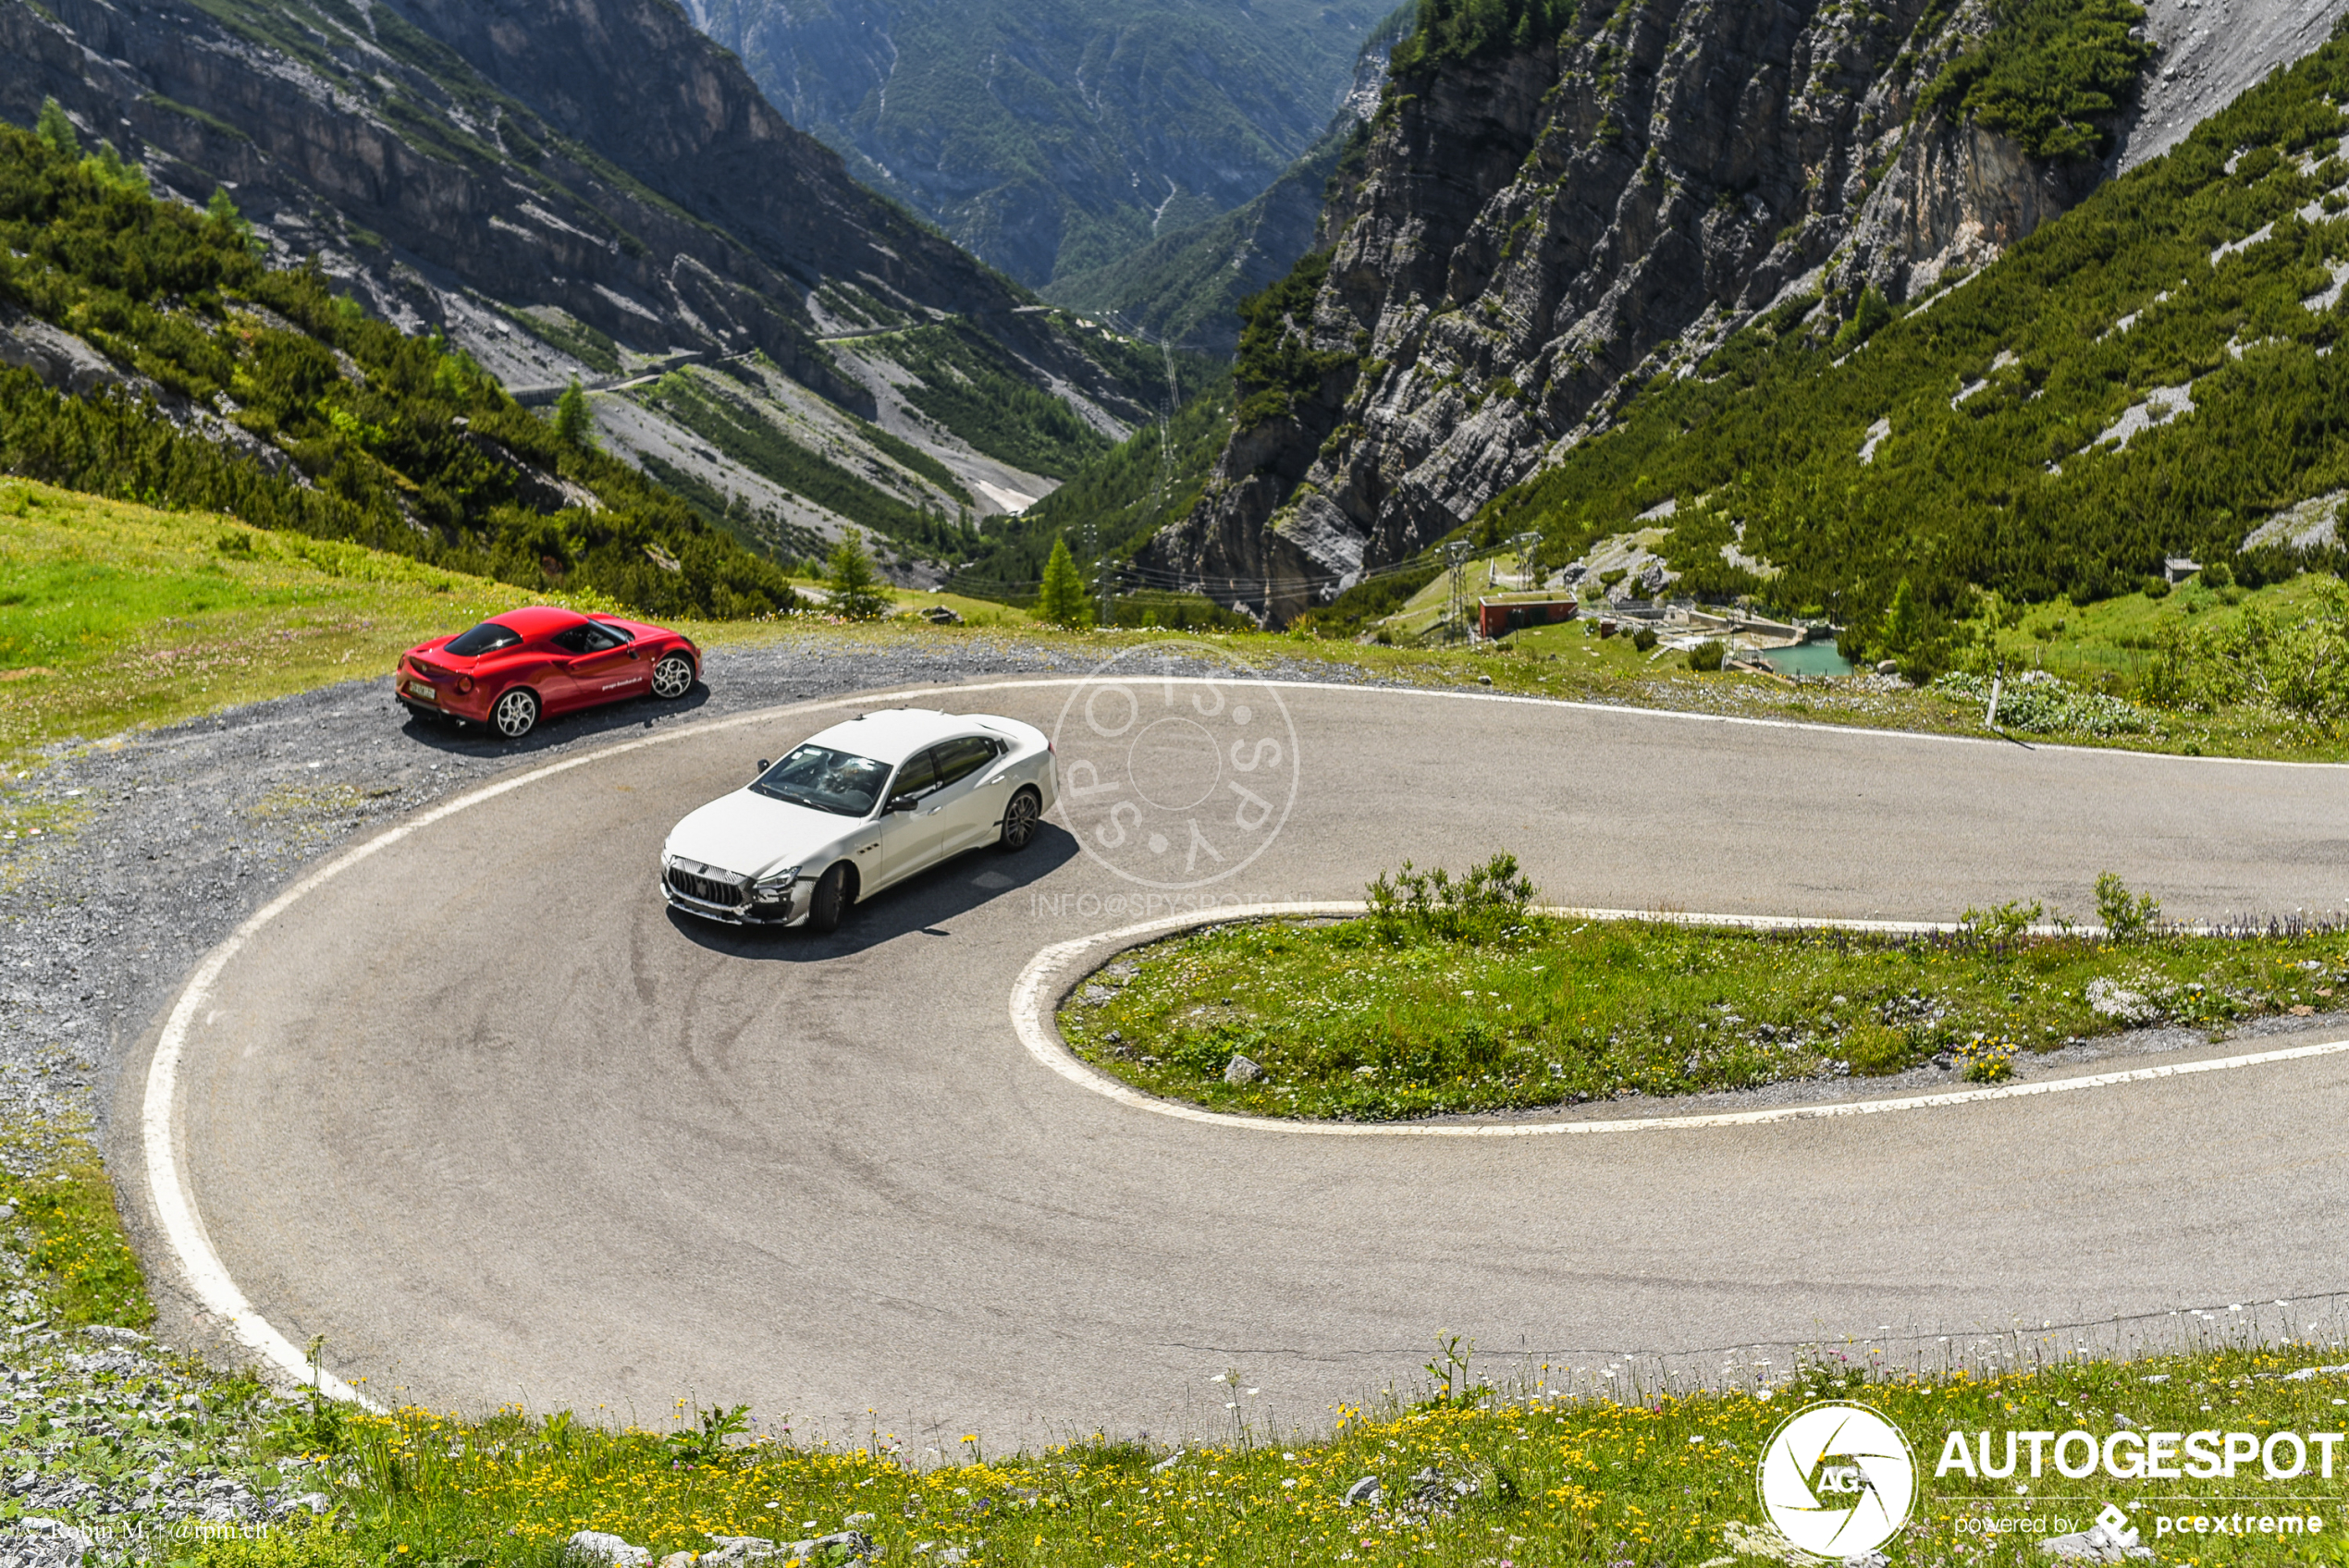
(481, 1111)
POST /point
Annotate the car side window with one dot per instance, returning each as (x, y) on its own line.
(613, 636)
(575, 639)
(918, 777)
(958, 759)
(601, 638)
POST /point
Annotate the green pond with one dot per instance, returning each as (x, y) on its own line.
(1811, 659)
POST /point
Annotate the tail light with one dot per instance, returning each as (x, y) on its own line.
(465, 684)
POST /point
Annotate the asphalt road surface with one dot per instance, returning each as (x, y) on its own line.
(487, 1115)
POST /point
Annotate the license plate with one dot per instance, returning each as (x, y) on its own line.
(418, 689)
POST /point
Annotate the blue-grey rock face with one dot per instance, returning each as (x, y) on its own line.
(1049, 136)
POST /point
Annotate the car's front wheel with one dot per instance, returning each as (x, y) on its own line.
(1020, 819)
(516, 714)
(673, 677)
(831, 900)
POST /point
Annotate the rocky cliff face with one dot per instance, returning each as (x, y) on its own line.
(1534, 234)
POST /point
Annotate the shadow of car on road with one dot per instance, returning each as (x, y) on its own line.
(923, 905)
(557, 730)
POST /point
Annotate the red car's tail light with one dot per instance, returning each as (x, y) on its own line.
(465, 684)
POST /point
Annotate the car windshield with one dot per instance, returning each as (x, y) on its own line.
(838, 782)
(486, 638)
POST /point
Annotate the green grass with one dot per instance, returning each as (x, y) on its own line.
(64, 1205)
(113, 615)
(1376, 1021)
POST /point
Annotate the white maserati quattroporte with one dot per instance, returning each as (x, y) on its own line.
(861, 806)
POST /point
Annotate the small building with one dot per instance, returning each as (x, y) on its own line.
(1497, 615)
(2177, 568)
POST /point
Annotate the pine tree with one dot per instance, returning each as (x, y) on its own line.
(54, 128)
(573, 424)
(1063, 601)
(856, 589)
(1902, 622)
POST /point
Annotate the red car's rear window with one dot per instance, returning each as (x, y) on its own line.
(486, 638)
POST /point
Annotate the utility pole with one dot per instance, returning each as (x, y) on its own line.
(1456, 556)
(1101, 581)
(1524, 543)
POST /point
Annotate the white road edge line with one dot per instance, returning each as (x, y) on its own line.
(1030, 1003)
(209, 1279)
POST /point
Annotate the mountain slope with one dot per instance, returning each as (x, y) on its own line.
(2154, 376)
(1053, 137)
(585, 188)
(1186, 288)
(1556, 206)
(147, 353)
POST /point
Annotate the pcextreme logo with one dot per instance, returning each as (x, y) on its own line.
(1838, 1479)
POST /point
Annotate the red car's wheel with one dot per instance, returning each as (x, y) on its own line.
(673, 677)
(516, 714)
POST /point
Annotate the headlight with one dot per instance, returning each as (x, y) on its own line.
(775, 886)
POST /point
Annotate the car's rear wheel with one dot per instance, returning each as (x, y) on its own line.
(831, 900)
(1020, 819)
(673, 677)
(516, 714)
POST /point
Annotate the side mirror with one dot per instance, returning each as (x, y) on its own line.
(903, 803)
(763, 766)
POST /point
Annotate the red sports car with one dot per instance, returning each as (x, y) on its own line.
(513, 668)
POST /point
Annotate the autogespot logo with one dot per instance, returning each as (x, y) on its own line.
(1178, 766)
(1838, 1479)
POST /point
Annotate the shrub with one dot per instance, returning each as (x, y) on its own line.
(1706, 655)
(2001, 926)
(1644, 639)
(2127, 918)
(2156, 588)
(1419, 906)
(2216, 575)
(313, 1544)
(2039, 703)
(1874, 1049)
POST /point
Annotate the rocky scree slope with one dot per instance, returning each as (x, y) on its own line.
(1054, 138)
(587, 187)
(1539, 225)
